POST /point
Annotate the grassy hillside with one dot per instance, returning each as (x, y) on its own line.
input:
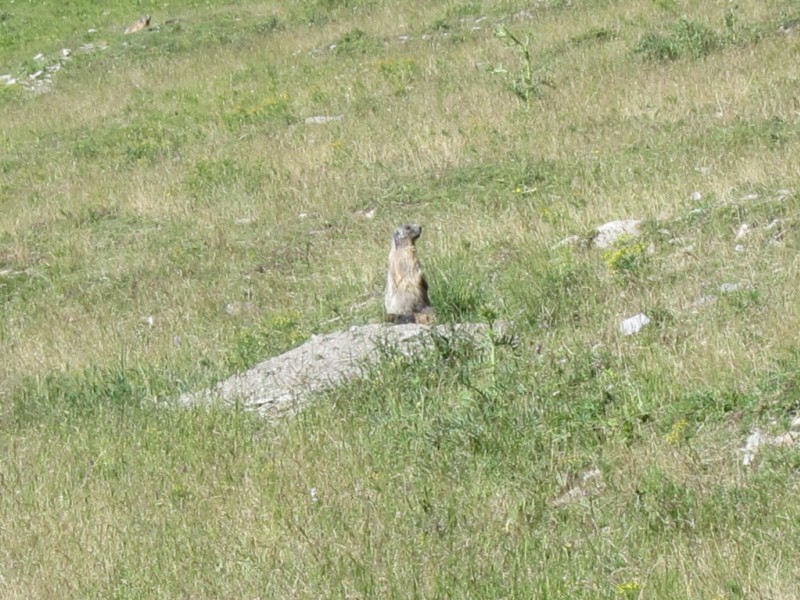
(169, 217)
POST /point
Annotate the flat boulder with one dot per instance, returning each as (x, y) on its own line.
(281, 385)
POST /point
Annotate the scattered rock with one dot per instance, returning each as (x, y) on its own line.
(11, 273)
(607, 234)
(757, 439)
(572, 240)
(634, 324)
(749, 197)
(588, 483)
(696, 196)
(743, 230)
(727, 288)
(92, 46)
(318, 119)
(738, 248)
(366, 213)
(281, 385)
(244, 221)
(751, 447)
(237, 308)
(773, 224)
(149, 320)
(703, 301)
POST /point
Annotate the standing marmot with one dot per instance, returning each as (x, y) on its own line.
(406, 297)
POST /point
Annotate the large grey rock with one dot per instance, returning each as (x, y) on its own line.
(282, 384)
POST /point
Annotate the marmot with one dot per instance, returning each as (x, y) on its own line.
(406, 299)
(142, 23)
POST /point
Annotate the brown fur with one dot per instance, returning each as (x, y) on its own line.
(406, 299)
(142, 23)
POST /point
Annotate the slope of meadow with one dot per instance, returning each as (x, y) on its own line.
(169, 217)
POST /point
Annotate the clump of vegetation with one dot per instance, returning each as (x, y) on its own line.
(684, 38)
(527, 83)
(354, 42)
(626, 258)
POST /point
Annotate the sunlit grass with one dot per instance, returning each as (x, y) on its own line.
(169, 218)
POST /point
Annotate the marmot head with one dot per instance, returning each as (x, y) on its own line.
(406, 234)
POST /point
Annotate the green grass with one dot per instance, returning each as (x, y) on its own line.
(169, 218)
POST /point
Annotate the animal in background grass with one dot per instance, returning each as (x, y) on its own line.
(142, 23)
(406, 298)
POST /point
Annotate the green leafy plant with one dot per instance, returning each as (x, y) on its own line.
(626, 257)
(527, 84)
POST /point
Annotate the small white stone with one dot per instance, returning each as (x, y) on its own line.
(608, 233)
(773, 224)
(245, 221)
(703, 301)
(729, 287)
(738, 248)
(92, 30)
(751, 447)
(323, 119)
(634, 324)
(35, 75)
(66, 53)
(149, 320)
(571, 240)
(795, 426)
(749, 197)
(366, 213)
(696, 196)
(38, 57)
(744, 229)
